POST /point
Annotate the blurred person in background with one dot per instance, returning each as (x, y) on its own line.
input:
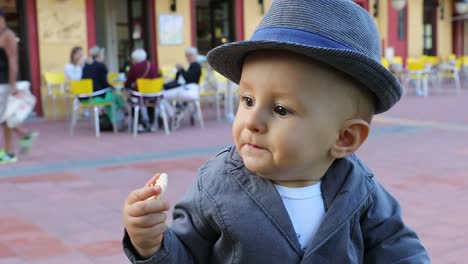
(190, 76)
(185, 85)
(97, 71)
(74, 69)
(141, 68)
(8, 78)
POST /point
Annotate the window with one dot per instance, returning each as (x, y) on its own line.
(402, 24)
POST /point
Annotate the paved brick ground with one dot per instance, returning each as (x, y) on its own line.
(62, 202)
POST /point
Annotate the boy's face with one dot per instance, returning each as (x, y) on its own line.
(290, 115)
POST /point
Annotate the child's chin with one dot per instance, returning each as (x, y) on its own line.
(258, 171)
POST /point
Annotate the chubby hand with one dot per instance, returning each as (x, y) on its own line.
(144, 219)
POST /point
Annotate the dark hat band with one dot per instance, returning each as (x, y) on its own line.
(284, 34)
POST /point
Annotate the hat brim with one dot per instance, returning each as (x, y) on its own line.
(228, 60)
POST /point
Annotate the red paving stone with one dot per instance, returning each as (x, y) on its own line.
(52, 177)
(6, 251)
(102, 248)
(74, 216)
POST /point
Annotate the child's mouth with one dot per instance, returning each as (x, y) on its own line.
(254, 146)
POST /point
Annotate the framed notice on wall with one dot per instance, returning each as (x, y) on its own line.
(171, 29)
(61, 21)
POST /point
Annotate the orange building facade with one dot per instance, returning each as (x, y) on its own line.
(48, 29)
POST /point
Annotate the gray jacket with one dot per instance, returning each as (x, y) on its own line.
(232, 216)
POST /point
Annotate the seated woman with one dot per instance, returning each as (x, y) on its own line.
(185, 85)
(97, 71)
(141, 68)
(187, 89)
(74, 69)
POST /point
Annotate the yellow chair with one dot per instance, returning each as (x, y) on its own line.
(416, 73)
(55, 83)
(430, 60)
(85, 97)
(385, 63)
(168, 73)
(465, 64)
(451, 70)
(431, 69)
(397, 60)
(113, 79)
(194, 106)
(149, 94)
(210, 89)
(150, 86)
(396, 67)
(230, 93)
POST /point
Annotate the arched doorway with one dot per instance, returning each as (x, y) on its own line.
(215, 23)
(430, 27)
(398, 30)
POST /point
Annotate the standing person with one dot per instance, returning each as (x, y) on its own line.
(8, 75)
(74, 69)
(291, 189)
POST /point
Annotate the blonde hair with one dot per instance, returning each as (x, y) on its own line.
(191, 51)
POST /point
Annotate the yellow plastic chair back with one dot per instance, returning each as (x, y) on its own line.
(431, 60)
(452, 57)
(202, 76)
(465, 60)
(80, 87)
(168, 72)
(397, 60)
(415, 64)
(219, 77)
(385, 63)
(54, 78)
(459, 63)
(150, 86)
(111, 77)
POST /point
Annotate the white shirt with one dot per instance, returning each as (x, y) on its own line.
(305, 208)
(73, 72)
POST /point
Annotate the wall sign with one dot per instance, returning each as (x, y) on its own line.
(171, 29)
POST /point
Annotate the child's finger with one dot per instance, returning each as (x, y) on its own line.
(143, 208)
(143, 194)
(149, 220)
(153, 180)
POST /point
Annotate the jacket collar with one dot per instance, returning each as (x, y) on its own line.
(343, 190)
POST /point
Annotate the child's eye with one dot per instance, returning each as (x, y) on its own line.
(281, 110)
(247, 100)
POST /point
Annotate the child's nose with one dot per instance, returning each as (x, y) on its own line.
(257, 121)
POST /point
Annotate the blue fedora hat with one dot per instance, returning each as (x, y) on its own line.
(338, 33)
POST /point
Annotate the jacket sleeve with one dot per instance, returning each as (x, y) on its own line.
(190, 238)
(103, 76)
(192, 75)
(386, 238)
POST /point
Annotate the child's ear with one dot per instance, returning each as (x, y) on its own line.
(352, 136)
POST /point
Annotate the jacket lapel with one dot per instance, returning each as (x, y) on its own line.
(344, 191)
(265, 195)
